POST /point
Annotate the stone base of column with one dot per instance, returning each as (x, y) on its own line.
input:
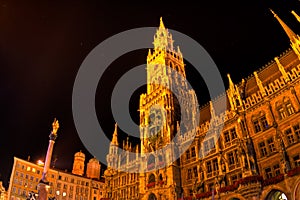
(42, 190)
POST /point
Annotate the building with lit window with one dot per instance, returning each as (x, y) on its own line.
(249, 150)
(26, 175)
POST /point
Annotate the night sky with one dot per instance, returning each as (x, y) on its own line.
(43, 43)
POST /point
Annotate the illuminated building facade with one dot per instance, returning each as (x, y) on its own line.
(3, 192)
(25, 177)
(254, 155)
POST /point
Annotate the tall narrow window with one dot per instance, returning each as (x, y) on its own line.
(276, 169)
(256, 126)
(296, 160)
(297, 131)
(215, 165)
(231, 158)
(189, 174)
(193, 152)
(212, 143)
(187, 154)
(233, 133)
(195, 172)
(290, 136)
(227, 136)
(268, 172)
(290, 109)
(271, 144)
(208, 167)
(206, 146)
(263, 149)
(264, 123)
(281, 112)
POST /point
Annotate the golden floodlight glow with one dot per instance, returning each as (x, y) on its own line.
(40, 163)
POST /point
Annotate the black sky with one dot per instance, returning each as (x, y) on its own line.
(43, 43)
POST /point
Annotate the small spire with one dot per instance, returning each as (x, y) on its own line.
(115, 136)
(127, 142)
(178, 127)
(231, 84)
(287, 30)
(295, 14)
(282, 70)
(212, 110)
(231, 92)
(260, 85)
(161, 23)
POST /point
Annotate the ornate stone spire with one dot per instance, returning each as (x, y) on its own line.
(260, 85)
(233, 94)
(287, 30)
(114, 140)
(161, 23)
(294, 38)
(282, 70)
(297, 16)
(163, 39)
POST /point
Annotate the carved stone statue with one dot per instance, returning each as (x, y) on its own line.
(55, 126)
(283, 165)
(241, 154)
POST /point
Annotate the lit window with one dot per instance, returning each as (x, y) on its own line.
(28, 168)
(33, 170)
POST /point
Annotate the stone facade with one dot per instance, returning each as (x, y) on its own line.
(249, 150)
(25, 177)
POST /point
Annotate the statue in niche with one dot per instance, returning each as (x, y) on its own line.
(241, 154)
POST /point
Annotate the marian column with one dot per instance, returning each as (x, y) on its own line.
(44, 184)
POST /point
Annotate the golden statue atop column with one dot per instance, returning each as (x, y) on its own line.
(43, 185)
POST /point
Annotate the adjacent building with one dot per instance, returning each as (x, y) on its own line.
(248, 150)
(26, 175)
(3, 192)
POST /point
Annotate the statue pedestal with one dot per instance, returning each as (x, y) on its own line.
(43, 191)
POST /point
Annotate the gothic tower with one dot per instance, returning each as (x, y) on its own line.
(78, 164)
(167, 103)
(112, 157)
